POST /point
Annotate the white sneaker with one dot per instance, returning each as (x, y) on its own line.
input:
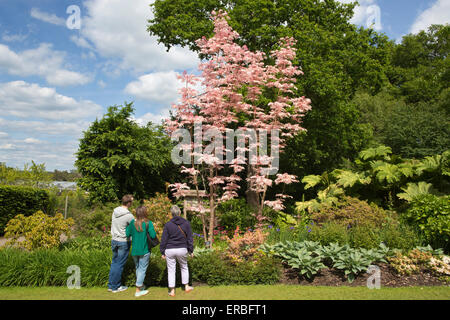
(121, 288)
(141, 293)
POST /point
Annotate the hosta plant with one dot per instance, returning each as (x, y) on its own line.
(307, 264)
(352, 263)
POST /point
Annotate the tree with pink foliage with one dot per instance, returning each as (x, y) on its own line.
(242, 96)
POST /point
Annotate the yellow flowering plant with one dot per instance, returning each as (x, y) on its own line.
(38, 230)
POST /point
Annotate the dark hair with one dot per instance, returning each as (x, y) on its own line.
(141, 216)
(126, 199)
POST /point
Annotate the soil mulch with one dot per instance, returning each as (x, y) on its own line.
(388, 276)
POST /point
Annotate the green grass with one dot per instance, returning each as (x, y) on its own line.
(255, 292)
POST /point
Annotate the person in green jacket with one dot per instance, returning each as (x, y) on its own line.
(137, 230)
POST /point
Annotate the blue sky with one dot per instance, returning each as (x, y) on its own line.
(55, 80)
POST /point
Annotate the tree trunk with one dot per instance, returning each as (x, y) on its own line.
(252, 197)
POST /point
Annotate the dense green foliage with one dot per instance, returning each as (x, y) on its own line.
(309, 257)
(24, 200)
(365, 88)
(49, 267)
(336, 57)
(116, 157)
(431, 215)
(33, 175)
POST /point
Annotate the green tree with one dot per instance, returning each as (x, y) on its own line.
(336, 57)
(116, 156)
(421, 65)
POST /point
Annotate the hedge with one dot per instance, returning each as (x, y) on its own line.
(16, 200)
(48, 267)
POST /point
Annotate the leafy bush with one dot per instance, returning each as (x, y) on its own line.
(399, 236)
(95, 221)
(309, 257)
(23, 200)
(235, 212)
(308, 263)
(328, 233)
(410, 263)
(364, 237)
(431, 215)
(245, 247)
(158, 208)
(87, 243)
(48, 267)
(352, 262)
(351, 212)
(211, 269)
(39, 230)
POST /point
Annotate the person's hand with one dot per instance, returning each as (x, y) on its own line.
(191, 255)
(163, 257)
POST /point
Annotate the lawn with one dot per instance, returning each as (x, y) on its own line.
(256, 292)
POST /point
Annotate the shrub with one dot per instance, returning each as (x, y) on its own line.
(364, 237)
(431, 216)
(351, 212)
(212, 269)
(39, 230)
(158, 208)
(235, 212)
(309, 257)
(245, 247)
(328, 233)
(410, 263)
(48, 267)
(16, 200)
(399, 236)
(86, 244)
(95, 221)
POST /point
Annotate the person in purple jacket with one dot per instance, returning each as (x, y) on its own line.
(176, 244)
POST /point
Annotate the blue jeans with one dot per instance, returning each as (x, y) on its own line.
(141, 263)
(120, 251)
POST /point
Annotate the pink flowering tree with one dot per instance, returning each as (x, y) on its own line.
(242, 98)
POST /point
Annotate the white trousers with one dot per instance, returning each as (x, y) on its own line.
(172, 256)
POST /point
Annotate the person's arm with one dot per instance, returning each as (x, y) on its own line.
(163, 243)
(128, 230)
(151, 230)
(189, 238)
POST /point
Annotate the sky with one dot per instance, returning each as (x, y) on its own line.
(63, 62)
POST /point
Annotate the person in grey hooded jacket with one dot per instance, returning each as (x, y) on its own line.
(120, 245)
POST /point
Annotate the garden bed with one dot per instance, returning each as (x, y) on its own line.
(335, 278)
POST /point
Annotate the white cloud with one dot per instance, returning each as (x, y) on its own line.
(151, 117)
(7, 146)
(118, 32)
(3, 135)
(13, 37)
(438, 13)
(55, 155)
(42, 61)
(161, 87)
(45, 128)
(46, 17)
(158, 87)
(25, 100)
(367, 13)
(32, 141)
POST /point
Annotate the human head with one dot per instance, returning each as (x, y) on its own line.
(175, 211)
(127, 200)
(141, 216)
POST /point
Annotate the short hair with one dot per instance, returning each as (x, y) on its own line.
(175, 211)
(126, 199)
